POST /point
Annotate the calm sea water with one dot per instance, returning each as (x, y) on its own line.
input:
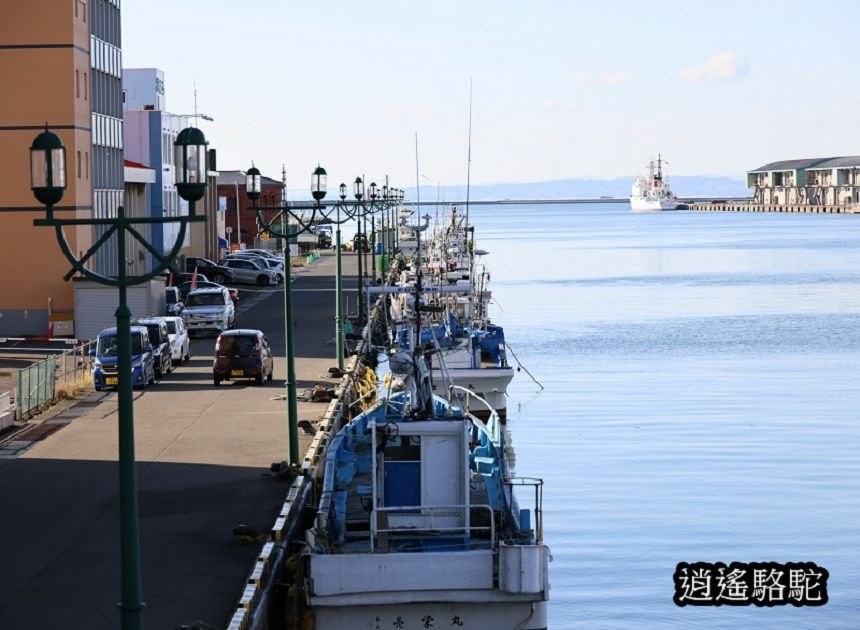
(701, 401)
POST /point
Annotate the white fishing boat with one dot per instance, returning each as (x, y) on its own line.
(421, 521)
(651, 193)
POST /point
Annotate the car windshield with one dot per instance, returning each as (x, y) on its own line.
(239, 344)
(171, 328)
(204, 299)
(108, 345)
(154, 333)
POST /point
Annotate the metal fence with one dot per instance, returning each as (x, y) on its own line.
(37, 384)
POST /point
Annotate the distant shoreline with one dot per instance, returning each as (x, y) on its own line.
(500, 202)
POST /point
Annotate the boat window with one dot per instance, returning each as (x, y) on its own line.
(403, 448)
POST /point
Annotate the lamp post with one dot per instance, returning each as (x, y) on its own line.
(253, 187)
(358, 188)
(373, 195)
(48, 183)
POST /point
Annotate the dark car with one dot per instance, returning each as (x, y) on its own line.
(160, 339)
(242, 354)
(215, 273)
(360, 244)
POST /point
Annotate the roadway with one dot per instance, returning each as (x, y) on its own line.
(204, 455)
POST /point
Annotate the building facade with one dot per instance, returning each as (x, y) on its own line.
(45, 50)
(149, 134)
(816, 182)
(106, 103)
(243, 223)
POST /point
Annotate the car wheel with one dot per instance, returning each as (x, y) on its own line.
(216, 381)
(218, 278)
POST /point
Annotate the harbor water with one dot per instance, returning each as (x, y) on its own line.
(701, 401)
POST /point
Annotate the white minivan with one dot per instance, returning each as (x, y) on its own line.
(180, 346)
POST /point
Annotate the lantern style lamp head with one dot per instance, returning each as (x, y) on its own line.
(373, 190)
(48, 168)
(342, 191)
(191, 164)
(253, 183)
(318, 183)
(358, 188)
(385, 191)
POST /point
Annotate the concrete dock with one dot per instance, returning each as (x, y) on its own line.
(204, 455)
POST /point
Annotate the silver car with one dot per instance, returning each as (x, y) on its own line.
(209, 310)
(274, 264)
(250, 272)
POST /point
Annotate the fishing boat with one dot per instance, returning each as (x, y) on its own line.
(464, 348)
(651, 193)
(421, 522)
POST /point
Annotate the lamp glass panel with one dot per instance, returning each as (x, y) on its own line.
(38, 169)
(58, 167)
(179, 163)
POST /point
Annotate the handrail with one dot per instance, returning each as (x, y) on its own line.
(537, 483)
(411, 508)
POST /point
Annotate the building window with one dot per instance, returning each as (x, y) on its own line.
(77, 84)
(87, 163)
(79, 164)
(86, 88)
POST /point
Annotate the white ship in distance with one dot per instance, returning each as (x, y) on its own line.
(651, 193)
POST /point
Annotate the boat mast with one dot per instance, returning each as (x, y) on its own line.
(659, 176)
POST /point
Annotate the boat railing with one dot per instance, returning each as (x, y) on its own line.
(431, 528)
(536, 485)
(492, 422)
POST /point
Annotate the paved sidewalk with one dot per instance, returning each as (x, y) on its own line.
(203, 459)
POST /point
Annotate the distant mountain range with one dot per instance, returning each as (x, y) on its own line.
(619, 187)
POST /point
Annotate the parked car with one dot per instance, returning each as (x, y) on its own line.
(265, 253)
(180, 345)
(360, 244)
(173, 299)
(185, 288)
(275, 264)
(241, 354)
(184, 285)
(160, 340)
(215, 273)
(106, 353)
(251, 272)
(209, 309)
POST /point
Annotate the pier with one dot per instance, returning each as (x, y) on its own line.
(757, 207)
(204, 458)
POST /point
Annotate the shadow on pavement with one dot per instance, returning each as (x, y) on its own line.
(59, 540)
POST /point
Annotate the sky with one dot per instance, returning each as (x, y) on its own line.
(560, 89)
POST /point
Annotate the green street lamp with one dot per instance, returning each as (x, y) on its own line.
(358, 189)
(48, 183)
(253, 185)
